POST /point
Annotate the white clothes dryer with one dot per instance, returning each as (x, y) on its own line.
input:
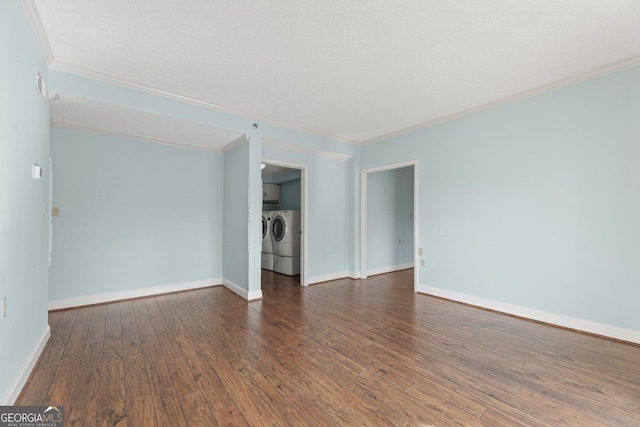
(285, 232)
(267, 241)
(289, 265)
(267, 261)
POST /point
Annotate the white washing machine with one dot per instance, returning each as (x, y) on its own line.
(289, 265)
(285, 232)
(267, 241)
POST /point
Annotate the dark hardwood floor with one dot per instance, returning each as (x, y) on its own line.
(348, 352)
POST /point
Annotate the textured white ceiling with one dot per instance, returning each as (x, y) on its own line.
(353, 70)
(80, 113)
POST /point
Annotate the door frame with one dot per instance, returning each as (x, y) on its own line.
(363, 216)
(303, 215)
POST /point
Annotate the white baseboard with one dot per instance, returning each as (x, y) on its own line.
(327, 277)
(353, 275)
(254, 295)
(249, 296)
(20, 380)
(133, 293)
(539, 315)
(382, 270)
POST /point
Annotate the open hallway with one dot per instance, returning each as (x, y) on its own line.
(346, 352)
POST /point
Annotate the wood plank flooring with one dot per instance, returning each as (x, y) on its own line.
(348, 352)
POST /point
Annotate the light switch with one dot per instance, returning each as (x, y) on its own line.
(419, 251)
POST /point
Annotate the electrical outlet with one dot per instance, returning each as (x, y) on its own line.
(55, 211)
(4, 307)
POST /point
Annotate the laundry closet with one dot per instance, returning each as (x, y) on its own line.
(281, 210)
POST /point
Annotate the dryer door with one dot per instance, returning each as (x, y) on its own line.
(265, 227)
(278, 228)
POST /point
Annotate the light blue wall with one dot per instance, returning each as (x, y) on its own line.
(535, 203)
(389, 218)
(254, 226)
(242, 206)
(290, 195)
(289, 191)
(328, 213)
(346, 209)
(353, 217)
(132, 214)
(235, 235)
(24, 210)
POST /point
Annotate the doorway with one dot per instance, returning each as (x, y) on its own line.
(285, 209)
(374, 215)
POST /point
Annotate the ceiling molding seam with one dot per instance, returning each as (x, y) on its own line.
(302, 149)
(159, 92)
(233, 144)
(38, 30)
(599, 72)
(132, 136)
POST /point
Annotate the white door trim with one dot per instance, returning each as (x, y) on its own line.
(363, 216)
(304, 214)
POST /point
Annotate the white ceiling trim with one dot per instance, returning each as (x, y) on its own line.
(307, 150)
(598, 72)
(132, 136)
(151, 90)
(38, 30)
(233, 144)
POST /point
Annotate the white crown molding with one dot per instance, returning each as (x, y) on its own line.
(598, 72)
(583, 325)
(307, 150)
(235, 143)
(159, 92)
(33, 16)
(15, 388)
(61, 125)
